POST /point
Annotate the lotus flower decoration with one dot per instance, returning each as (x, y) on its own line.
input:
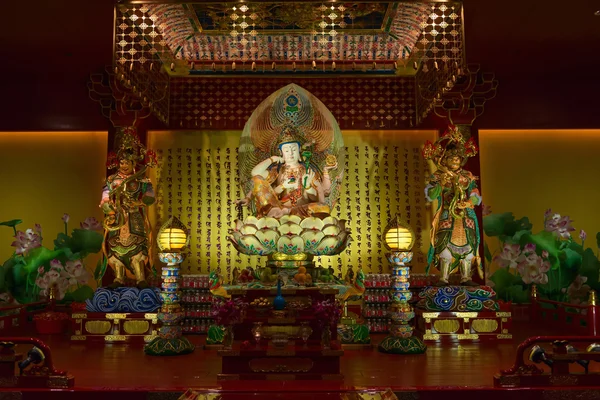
(290, 235)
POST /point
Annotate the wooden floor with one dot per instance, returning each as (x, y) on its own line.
(122, 367)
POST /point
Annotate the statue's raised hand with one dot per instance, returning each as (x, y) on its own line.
(330, 167)
(277, 160)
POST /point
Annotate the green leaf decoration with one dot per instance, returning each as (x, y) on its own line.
(62, 241)
(502, 281)
(11, 267)
(598, 240)
(516, 238)
(86, 241)
(505, 225)
(40, 256)
(558, 279)
(12, 223)
(82, 293)
(590, 268)
(573, 245)
(518, 294)
(570, 259)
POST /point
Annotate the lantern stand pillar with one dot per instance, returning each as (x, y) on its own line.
(398, 237)
(170, 341)
(401, 339)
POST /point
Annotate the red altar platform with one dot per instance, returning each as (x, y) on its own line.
(456, 371)
(294, 362)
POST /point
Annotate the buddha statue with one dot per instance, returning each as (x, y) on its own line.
(288, 183)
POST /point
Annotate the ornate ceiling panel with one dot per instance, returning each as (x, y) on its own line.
(356, 103)
(413, 52)
(290, 32)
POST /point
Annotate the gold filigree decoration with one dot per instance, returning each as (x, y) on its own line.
(116, 316)
(446, 325)
(467, 337)
(431, 337)
(431, 314)
(115, 338)
(136, 327)
(97, 327)
(484, 325)
(466, 314)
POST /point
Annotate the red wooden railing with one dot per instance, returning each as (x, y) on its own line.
(557, 314)
(24, 312)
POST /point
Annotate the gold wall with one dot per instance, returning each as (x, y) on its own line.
(47, 174)
(529, 171)
(197, 181)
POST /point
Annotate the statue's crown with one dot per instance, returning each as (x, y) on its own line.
(451, 144)
(131, 148)
(290, 134)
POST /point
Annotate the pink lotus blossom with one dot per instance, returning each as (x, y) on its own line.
(510, 256)
(529, 248)
(545, 254)
(73, 273)
(559, 225)
(91, 224)
(76, 272)
(56, 265)
(38, 229)
(547, 213)
(533, 269)
(26, 241)
(66, 218)
(582, 235)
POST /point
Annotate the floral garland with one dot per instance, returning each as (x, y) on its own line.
(228, 312)
(327, 312)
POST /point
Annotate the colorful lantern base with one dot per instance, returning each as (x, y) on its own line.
(169, 341)
(401, 339)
